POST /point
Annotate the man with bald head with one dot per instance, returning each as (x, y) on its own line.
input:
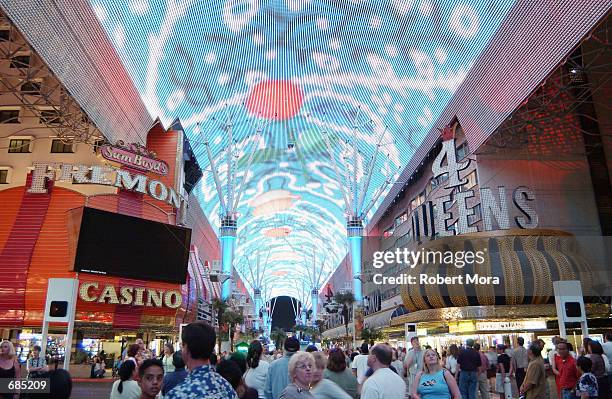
(384, 383)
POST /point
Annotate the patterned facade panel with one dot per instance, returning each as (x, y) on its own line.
(203, 235)
(69, 38)
(526, 266)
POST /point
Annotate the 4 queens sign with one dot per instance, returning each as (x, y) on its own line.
(431, 218)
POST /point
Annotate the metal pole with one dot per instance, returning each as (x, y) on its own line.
(45, 333)
(216, 178)
(71, 315)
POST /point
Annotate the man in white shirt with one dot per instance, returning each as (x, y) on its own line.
(414, 361)
(359, 365)
(607, 348)
(384, 383)
(607, 345)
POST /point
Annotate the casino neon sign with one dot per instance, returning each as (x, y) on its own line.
(127, 295)
(430, 219)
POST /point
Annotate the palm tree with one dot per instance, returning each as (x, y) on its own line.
(252, 333)
(278, 335)
(312, 332)
(230, 318)
(346, 299)
(371, 335)
(219, 307)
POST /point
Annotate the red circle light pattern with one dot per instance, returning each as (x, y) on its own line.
(275, 99)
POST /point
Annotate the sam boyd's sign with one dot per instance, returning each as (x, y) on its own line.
(134, 156)
(126, 295)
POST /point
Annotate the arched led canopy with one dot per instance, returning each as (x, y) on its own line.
(305, 67)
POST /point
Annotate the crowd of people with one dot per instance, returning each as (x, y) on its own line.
(379, 371)
(466, 372)
(60, 382)
(194, 371)
(371, 372)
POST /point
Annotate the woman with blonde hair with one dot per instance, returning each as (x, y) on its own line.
(300, 367)
(9, 366)
(434, 381)
(167, 358)
(322, 388)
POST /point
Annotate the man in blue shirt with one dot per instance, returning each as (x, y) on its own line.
(177, 376)
(468, 364)
(278, 372)
(198, 342)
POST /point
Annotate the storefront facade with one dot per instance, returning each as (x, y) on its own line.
(530, 198)
(51, 172)
(37, 242)
(67, 145)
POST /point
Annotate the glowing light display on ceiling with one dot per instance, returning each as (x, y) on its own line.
(304, 66)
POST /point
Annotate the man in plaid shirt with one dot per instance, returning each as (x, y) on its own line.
(36, 365)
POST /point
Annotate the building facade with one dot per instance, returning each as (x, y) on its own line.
(533, 195)
(54, 161)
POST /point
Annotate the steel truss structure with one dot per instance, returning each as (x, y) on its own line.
(36, 88)
(230, 194)
(554, 110)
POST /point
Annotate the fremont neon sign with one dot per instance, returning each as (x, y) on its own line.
(102, 175)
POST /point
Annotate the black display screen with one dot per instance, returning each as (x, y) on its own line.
(125, 246)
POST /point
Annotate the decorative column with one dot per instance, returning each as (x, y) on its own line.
(227, 237)
(314, 295)
(229, 195)
(266, 322)
(257, 304)
(354, 229)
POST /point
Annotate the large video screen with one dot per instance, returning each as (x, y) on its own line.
(125, 246)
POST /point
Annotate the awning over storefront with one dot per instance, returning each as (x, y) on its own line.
(379, 319)
(338, 332)
(501, 312)
(383, 318)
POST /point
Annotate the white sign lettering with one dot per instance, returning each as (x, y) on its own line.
(91, 292)
(431, 218)
(103, 175)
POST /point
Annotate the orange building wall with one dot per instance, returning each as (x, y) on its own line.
(164, 143)
(34, 247)
(51, 258)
